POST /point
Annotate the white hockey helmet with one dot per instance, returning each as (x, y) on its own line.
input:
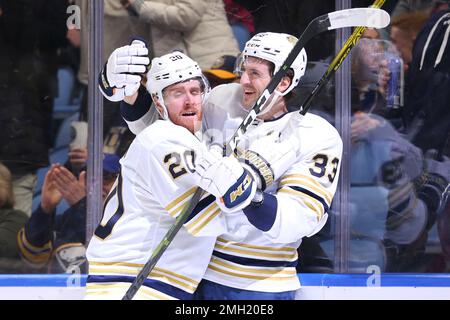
(170, 69)
(275, 47)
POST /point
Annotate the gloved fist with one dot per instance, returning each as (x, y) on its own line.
(224, 178)
(434, 181)
(269, 156)
(122, 74)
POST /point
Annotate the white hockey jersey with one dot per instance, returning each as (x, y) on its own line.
(261, 256)
(154, 185)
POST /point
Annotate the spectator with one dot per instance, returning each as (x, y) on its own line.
(57, 242)
(389, 171)
(28, 84)
(11, 220)
(292, 17)
(404, 30)
(222, 71)
(368, 95)
(426, 111)
(408, 6)
(198, 27)
(427, 96)
(241, 22)
(118, 26)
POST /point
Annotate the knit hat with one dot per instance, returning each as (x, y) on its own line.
(223, 68)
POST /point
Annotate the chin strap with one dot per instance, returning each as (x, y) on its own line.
(275, 96)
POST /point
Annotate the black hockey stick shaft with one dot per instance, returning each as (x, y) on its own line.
(337, 62)
(318, 25)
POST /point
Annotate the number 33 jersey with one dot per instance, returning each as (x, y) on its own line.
(262, 255)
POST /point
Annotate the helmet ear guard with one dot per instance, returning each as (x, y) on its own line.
(171, 69)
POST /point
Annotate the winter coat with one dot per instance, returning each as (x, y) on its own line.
(198, 27)
(119, 28)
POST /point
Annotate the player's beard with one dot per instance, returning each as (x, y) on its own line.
(192, 123)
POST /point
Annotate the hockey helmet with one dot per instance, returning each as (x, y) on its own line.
(171, 69)
(275, 47)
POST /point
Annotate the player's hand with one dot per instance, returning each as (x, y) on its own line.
(270, 156)
(122, 74)
(225, 178)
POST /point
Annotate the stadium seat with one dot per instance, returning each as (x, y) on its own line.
(64, 135)
(63, 104)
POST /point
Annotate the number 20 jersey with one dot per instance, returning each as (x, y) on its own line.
(155, 183)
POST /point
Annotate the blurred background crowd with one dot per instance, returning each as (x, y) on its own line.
(399, 218)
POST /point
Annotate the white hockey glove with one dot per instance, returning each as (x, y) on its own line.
(224, 178)
(122, 74)
(269, 157)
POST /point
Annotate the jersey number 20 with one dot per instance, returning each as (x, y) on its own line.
(175, 166)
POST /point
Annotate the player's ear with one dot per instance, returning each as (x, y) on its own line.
(284, 84)
(158, 106)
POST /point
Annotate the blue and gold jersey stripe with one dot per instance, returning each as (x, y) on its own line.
(117, 291)
(254, 273)
(308, 183)
(176, 206)
(312, 201)
(153, 289)
(280, 253)
(203, 213)
(132, 269)
(203, 219)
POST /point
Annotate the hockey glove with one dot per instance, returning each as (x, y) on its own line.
(224, 178)
(122, 74)
(269, 157)
(432, 184)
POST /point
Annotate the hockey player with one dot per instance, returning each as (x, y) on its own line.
(258, 262)
(159, 173)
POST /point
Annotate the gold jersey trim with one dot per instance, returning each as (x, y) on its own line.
(309, 183)
(99, 289)
(133, 269)
(309, 201)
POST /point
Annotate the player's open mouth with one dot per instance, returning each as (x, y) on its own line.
(189, 114)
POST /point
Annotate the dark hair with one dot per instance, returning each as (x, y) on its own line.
(6, 191)
(289, 73)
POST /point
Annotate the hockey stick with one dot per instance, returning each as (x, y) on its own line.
(369, 17)
(337, 61)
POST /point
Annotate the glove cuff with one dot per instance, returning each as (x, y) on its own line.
(104, 84)
(259, 166)
(107, 90)
(239, 195)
